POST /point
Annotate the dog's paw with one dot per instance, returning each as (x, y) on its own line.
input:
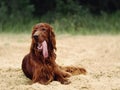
(66, 82)
(67, 75)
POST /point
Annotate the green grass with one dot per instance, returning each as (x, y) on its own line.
(86, 24)
(89, 24)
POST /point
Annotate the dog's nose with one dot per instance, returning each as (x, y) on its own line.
(35, 37)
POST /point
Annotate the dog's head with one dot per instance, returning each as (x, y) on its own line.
(43, 38)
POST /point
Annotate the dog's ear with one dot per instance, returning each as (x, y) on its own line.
(52, 38)
(34, 30)
(33, 40)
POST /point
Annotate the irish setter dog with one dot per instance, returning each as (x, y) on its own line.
(39, 64)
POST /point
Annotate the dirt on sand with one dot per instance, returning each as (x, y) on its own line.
(99, 55)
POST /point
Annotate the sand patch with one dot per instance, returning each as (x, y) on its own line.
(99, 55)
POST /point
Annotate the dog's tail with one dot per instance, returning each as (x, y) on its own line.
(74, 70)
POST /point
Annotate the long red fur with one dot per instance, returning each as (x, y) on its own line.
(44, 70)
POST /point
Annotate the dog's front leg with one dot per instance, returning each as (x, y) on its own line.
(61, 76)
(39, 77)
(36, 75)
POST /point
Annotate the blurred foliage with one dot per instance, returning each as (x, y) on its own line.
(14, 12)
(74, 16)
(98, 6)
(15, 9)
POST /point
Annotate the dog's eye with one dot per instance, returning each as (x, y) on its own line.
(43, 29)
(35, 30)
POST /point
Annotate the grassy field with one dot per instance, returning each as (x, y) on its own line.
(99, 55)
(82, 23)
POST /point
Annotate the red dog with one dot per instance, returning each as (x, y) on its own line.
(39, 64)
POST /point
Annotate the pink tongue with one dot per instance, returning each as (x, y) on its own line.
(45, 50)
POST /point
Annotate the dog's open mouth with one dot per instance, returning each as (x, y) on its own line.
(43, 47)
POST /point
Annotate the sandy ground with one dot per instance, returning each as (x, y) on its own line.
(99, 55)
